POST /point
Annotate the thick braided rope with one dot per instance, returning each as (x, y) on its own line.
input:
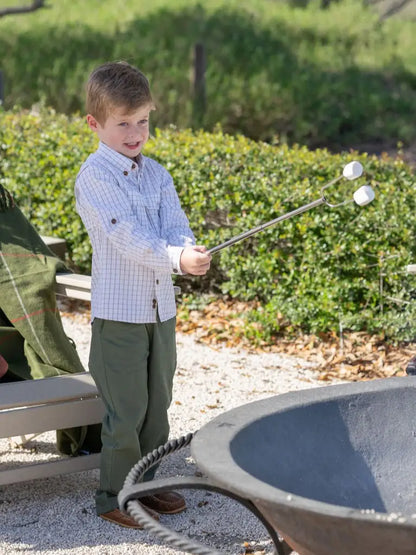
(137, 511)
(149, 460)
(170, 537)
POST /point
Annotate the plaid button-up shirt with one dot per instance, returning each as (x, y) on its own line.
(137, 230)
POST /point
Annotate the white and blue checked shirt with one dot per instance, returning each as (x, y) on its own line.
(137, 230)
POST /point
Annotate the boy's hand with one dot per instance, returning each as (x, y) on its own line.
(195, 260)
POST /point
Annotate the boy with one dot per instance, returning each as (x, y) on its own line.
(140, 236)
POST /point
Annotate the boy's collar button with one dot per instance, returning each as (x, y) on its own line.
(126, 172)
(133, 166)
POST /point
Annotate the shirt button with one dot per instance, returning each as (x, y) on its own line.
(133, 166)
(175, 271)
(126, 172)
(154, 303)
(113, 221)
(157, 282)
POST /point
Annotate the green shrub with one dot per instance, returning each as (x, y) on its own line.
(317, 271)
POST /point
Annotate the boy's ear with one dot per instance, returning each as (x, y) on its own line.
(92, 122)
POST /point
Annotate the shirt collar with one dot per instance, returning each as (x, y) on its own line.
(124, 165)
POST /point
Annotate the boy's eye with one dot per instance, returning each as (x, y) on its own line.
(123, 124)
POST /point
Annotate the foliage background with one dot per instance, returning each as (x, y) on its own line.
(336, 77)
(285, 72)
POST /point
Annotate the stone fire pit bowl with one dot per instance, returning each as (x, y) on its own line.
(332, 469)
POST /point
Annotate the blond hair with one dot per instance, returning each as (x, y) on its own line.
(116, 85)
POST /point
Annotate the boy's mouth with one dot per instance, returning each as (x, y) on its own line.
(133, 146)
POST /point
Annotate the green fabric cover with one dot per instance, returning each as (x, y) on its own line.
(27, 298)
(32, 338)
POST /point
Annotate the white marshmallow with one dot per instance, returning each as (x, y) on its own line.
(353, 170)
(364, 195)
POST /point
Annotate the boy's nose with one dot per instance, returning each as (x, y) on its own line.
(137, 133)
(133, 138)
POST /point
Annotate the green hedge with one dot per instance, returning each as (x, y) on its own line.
(326, 268)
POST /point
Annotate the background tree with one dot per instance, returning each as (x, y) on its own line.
(13, 10)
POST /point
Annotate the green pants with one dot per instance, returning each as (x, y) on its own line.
(133, 366)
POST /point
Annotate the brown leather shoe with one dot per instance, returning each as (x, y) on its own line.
(118, 517)
(167, 503)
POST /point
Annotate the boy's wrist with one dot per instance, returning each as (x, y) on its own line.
(175, 259)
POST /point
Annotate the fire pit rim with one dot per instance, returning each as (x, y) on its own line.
(206, 442)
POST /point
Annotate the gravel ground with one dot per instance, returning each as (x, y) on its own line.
(57, 514)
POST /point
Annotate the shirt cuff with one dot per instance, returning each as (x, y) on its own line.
(175, 258)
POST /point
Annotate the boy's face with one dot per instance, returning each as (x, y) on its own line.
(124, 133)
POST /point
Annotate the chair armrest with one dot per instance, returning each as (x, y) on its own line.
(78, 286)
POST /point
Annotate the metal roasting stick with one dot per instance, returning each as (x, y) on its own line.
(363, 196)
(251, 232)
